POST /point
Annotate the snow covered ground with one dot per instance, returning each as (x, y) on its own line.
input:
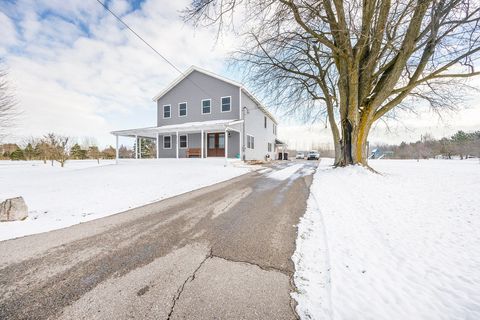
(83, 190)
(403, 245)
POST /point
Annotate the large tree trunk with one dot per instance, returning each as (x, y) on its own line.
(351, 148)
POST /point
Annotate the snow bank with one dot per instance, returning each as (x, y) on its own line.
(405, 245)
(83, 190)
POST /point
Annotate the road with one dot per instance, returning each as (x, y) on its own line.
(221, 252)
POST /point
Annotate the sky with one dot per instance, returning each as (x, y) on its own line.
(76, 71)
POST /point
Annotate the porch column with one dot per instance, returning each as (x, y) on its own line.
(116, 149)
(136, 147)
(158, 145)
(226, 146)
(240, 135)
(140, 148)
(177, 144)
(202, 146)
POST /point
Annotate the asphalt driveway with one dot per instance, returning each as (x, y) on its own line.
(221, 252)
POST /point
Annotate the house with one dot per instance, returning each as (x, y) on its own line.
(202, 114)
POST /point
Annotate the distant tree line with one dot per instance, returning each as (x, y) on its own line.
(462, 145)
(57, 148)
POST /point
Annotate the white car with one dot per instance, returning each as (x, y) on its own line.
(313, 155)
(300, 155)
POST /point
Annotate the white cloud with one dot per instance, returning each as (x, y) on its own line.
(78, 71)
(88, 76)
(9, 33)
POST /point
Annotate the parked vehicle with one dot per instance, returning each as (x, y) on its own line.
(313, 155)
(300, 155)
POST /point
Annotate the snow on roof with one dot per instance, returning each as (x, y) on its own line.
(214, 75)
(184, 127)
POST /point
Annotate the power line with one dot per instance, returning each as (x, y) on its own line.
(138, 36)
(157, 52)
(154, 50)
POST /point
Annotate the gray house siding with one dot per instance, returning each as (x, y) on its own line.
(255, 126)
(233, 144)
(186, 91)
(193, 141)
(167, 153)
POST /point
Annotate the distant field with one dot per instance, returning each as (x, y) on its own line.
(83, 190)
(402, 245)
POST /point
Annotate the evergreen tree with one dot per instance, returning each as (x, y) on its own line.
(77, 152)
(17, 155)
(147, 148)
(29, 152)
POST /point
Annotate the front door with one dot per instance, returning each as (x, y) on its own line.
(216, 144)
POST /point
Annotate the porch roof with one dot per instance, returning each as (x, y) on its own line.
(188, 127)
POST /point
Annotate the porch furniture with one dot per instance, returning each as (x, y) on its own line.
(194, 152)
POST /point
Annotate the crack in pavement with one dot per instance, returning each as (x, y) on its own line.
(190, 278)
(262, 267)
(288, 273)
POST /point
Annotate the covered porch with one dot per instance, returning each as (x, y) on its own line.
(219, 138)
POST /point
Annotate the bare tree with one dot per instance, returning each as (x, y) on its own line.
(94, 153)
(353, 62)
(8, 104)
(59, 149)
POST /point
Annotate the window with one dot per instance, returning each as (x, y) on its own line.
(167, 142)
(182, 109)
(274, 128)
(183, 141)
(226, 104)
(250, 142)
(269, 147)
(265, 122)
(206, 106)
(167, 111)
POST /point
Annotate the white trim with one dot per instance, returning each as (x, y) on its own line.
(186, 109)
(179, 141)
(176, 144)
(240, 108)
(188, 127)
(163, 139)
(140, 148)
(202, 143)
(259, 104)
(225, 146)
(136, 147)
(158, 146)
(163, 111)
(221, 104)
(201, 106)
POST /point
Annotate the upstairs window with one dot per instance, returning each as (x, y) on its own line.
(183, 141)
(206, 106)
(182, 109)
(274, 128)
(226, 104)
(269, 147)
(265, 122)
(250, 142)
(167, 111)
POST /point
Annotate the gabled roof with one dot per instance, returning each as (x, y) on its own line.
(219, 77)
